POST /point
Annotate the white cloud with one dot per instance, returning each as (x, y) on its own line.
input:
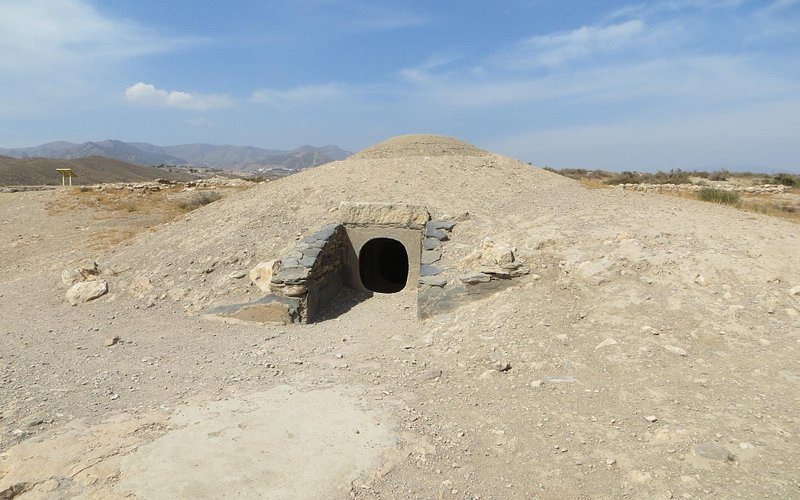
(558, 48)
(298, 95)
(702, 80)
(148, 95)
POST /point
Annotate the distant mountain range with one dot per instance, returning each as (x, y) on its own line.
(244, 158)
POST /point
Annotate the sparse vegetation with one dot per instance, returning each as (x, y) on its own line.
(787, 180)
(198, 199)
(715, 195)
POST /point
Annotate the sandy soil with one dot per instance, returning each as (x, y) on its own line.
(653, 350)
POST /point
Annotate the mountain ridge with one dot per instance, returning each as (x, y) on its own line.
(226, 157)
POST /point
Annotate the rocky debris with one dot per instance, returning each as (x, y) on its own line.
(86, 291)
(475, 278)
(651, 418)
(111, 341)
(499, 259)
(383, 214)
(795, 291)
(141, 285)
(85, 270)
(713, 451)
(261, 275)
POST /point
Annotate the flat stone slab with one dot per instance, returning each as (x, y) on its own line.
(427, 270)
(272, 308)
(431, 244)
(430, 256)
(432, 281)
(474, 278)
(383, 214)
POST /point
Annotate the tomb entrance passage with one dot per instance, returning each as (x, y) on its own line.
(383, 265)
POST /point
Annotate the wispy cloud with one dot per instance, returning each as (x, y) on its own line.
(298, 95)
(148, 95)
(57, 51)
(555, 49)
(35, 34)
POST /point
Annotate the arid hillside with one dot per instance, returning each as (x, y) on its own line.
(89, 170)
(651, 348)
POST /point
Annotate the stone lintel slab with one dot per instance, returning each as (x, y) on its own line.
(383, 214)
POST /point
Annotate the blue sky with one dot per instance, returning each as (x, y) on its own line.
(563, 83)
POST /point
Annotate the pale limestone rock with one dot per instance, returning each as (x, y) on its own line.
(86, 291)
(71, 276)
(262, 274)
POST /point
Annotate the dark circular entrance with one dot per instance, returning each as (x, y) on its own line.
(383, 265)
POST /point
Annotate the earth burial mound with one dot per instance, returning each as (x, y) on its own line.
(624, 343)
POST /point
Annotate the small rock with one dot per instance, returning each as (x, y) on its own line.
(606, 343)
(676, 350)
(237, 275)
(713, 451)
(34, 422)
(651, 418)
(794, 291)
(114, 396)
(557, 379)
(610, 461)
(112, 340)
(502, 366)
(537, 384)
(431, 374)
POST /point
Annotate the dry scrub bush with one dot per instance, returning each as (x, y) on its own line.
(719, 196)
(198, 199)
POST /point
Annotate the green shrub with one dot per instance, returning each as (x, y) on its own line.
(786, 180)
(719, 196)
(625, 178)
